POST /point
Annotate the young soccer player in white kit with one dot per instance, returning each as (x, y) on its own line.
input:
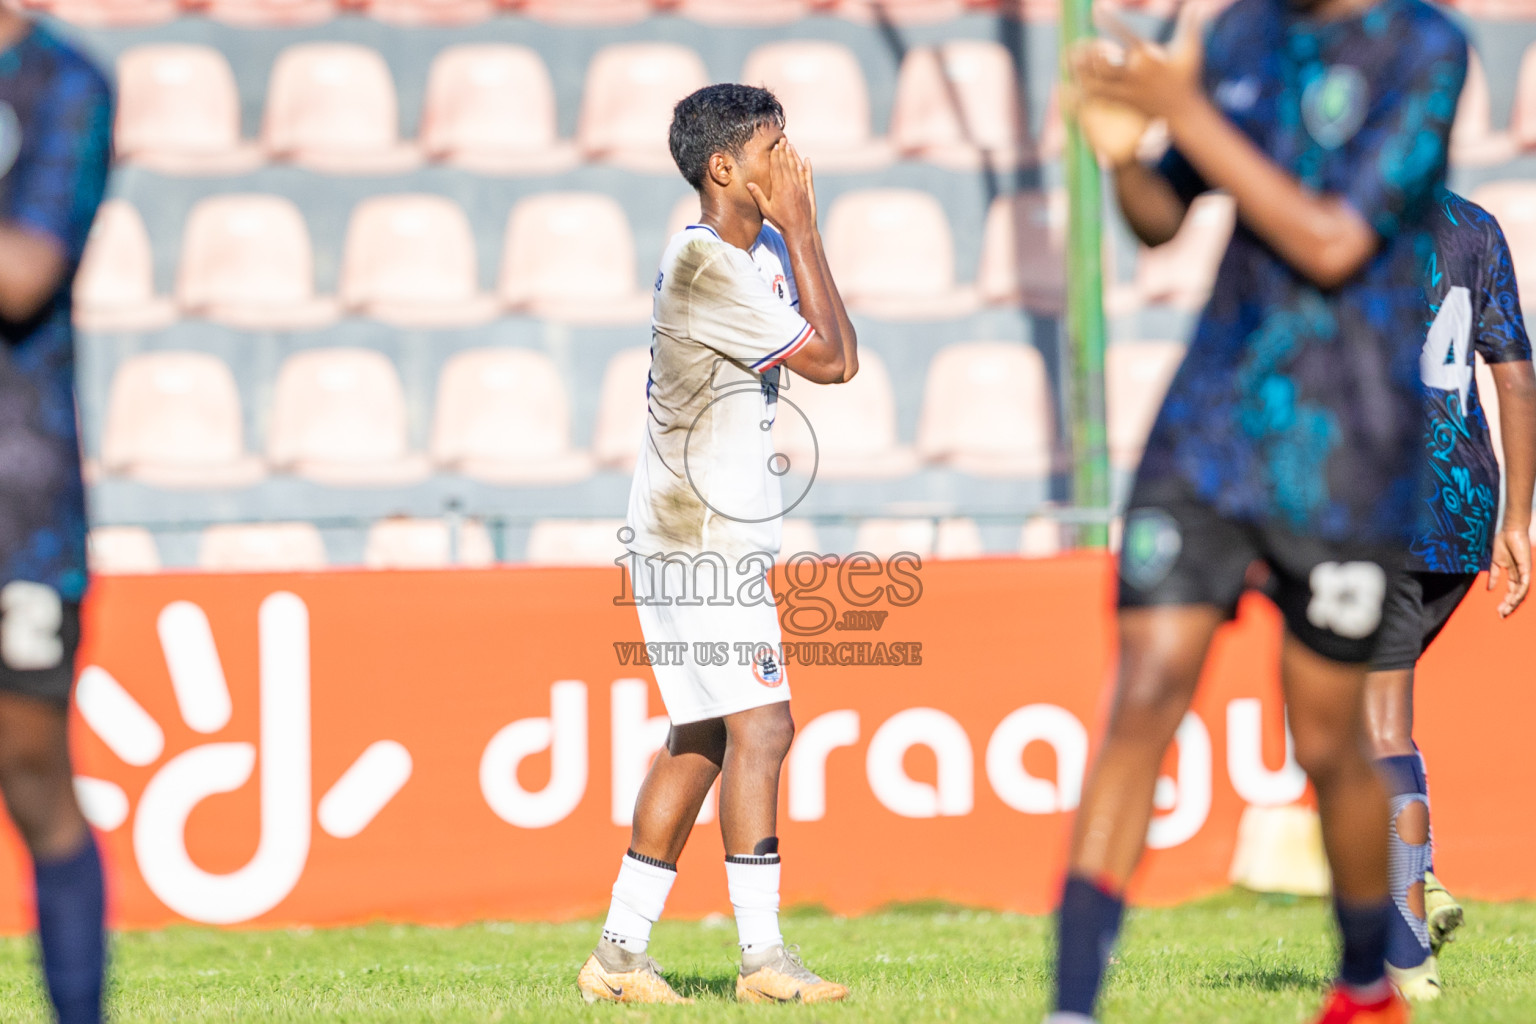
(740, 294)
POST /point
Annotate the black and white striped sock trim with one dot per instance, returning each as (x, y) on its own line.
(751, 858)
(652, 861)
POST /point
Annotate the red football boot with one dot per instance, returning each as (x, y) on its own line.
(1344, 1008)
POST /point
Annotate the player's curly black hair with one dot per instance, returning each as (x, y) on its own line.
(718, 119)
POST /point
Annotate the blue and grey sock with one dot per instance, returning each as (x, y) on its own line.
(1087, 924)
(1408, 934)
(1363, 928)
(71, 906)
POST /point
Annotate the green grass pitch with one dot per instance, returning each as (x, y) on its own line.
(1234, 959)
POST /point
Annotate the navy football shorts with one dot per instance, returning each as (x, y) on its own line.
(1419, 605)
(1178, 550)
(38, 642)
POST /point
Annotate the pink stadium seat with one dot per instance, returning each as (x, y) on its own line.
(115, 286)
(621, 409)
(987, 411)
(430, 12)
(338, 417)
(1181, 272)
(901, 12)
(736, 12)
(410, 260)
(178, 111)
(799, 537)
(113, 13)
(1040, 538)
(173, 419)
(574, 542)
(1136, 377)
(332, 107)
(826, 102)
(886, 537)
(854, 426)
(893, 255)
(1023, 251)
(121, 550)
(958, 538)
(1513, 204)
(261, 547)
(570, 256)
(503, 415)
(490, 107)
(684, 213)
(273, 13)
(401, 543)
(587, 12)
(626, 108)
(1474, 142)
(1522, 118)
(959, 105)
(246, 260)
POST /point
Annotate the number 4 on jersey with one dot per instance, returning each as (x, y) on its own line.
(1443, 362)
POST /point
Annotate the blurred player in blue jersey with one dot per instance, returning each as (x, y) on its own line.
(55, 146)
(1291, 435)
(1474, 308)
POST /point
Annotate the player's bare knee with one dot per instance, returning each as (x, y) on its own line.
(1413, 823)
(766, 731)
(1324, 754)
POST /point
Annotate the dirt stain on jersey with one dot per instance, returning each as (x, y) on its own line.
(679, 516)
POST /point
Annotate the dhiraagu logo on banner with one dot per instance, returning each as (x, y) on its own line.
(1333, 105)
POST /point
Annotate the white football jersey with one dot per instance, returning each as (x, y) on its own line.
(723, 320)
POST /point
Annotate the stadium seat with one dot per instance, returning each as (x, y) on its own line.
(958, 537)
(338, 417)
(845, 431)
(246, 260)
(1136, 377)
(987, 411)
(415, 13)
(1181, 272)
(886, 537)
(570, 256)
(401, 543)
(574, 542)
(621, 409)
(410, 261)
(1040, 538)
(268, 13)
(826, 102)
(685, 212)
(1023, 252)
(178, 111)
(332, 107)
(1513, 204)
(799, 537)
(587, 12)
(736, 12)
(115, 286)
(503, 416)
(490, 108)
(900, 12)
(626, 106)
(173, 420)
(959, 105)
(261, 547)
(1522, 116)
(121, 550)
(1474, 142)
(113, 13)
(893, 255)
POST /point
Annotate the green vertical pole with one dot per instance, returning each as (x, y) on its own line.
(1086, 327)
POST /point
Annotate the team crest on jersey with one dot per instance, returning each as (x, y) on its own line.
(766, 667)
(1151, 545)
(780, 287)
(1333, 105)
(10, 137)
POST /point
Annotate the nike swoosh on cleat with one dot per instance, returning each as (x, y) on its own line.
(617, 993)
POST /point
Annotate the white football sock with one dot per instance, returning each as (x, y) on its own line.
(639, 895)
(753, 882)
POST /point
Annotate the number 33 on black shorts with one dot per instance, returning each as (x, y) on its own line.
(1183, 552)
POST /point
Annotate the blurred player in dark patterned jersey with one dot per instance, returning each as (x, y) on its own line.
(1474, 309)
(1291, 435)
(55, 147)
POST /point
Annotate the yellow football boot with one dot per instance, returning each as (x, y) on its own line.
(613, 974)
(1421, 984)
(1441, 912)
(777, 976)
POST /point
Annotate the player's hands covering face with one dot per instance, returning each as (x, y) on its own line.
(1512, 557)
(789, 202)
(1156, 80)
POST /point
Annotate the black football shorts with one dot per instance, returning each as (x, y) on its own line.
(1178, 550)
(1419, 605)
(39, 636)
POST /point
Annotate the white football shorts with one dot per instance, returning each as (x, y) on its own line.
(717, 659)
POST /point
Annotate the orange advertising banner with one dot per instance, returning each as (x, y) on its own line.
(449, 746)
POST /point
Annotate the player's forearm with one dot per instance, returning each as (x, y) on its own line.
(31, 267)
(850, 337)
(1148, 202)
(1515, 383)
(823, 359)
(1320, 236)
